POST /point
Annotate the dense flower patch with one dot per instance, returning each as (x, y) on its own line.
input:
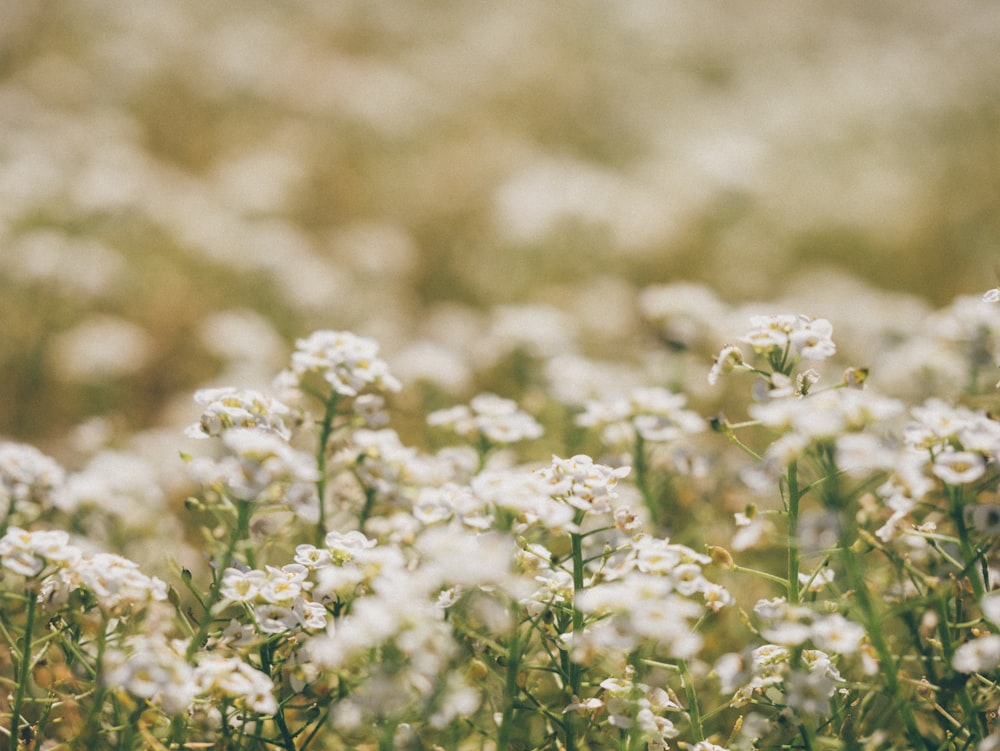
(813, 567)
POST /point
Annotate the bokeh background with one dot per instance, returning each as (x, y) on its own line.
(188, 185)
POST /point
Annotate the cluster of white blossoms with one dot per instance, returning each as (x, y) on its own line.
(582, 483)
(428, 576)
(782, 340)
(277, 598)
(60, 567)
(259, 466)
(29, 480)
(228, 408)
(959, 442)
(804, 679)
(647, 596)
(489, 417)
(655, 414)
(348, 364)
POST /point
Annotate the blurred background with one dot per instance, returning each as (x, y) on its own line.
(186, 186)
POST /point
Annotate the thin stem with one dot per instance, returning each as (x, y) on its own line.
(24, 667)
(510, 689)
(642, 477)
(326, 428)
(575, 670)
(694, 709)
(793, 524)
(266, 663)
(968, 554)
(238, 534)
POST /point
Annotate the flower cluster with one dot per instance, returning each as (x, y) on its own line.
(490, 418)
(374, 592)
(346, 363)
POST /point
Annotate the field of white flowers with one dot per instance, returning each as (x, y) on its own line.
(461, 375)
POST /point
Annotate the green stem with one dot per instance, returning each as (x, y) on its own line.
(266, 664)
(575, 669)
(793, 532)
(642, 478)
(23, 668)
(969, 555)
(5, 522)
(90, 725)
(238, 534)
(510, 689)
(326, 428)
(366, 510)
(875, 628)
(694, 709)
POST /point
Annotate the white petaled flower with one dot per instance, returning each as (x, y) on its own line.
(496, 419)
(261, 467)
(230, 678)
(730, 358)
(115, 581)
(959, 467)
(991, 607)
(27, 553)
(981, 654)
(813, 339)
(835, 633)
(992, 295)
(227, 408)
(810, 338)
(28, 476)
(582, 483)
(151, 667)
(655, 414)
(348, 363)
(241, 586)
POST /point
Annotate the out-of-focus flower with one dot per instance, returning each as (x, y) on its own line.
(27, 553)
(27, 476)
(979, 654)
(260, 467)
(227, 408)
(349, 365)
(959, 467)
(655, 414)
(494, 418)
(151, 667)
(231, 679)
(101, 347)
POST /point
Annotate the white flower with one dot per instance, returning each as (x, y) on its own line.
(835, 633)
(28, 475)
(727, 361)
(959, 467)
(261, 466)
(991, 607)
(27, 553)
(153, 668)
(348, 363)
(227, 408)
(981, 654)
(230, 678)
(496, 419)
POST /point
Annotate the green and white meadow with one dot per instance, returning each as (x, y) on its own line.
(468, 377)
(814, 567)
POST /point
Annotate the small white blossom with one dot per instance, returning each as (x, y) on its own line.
(227, 408)
(959, 467)
(489, 416)
(347, 363)
(981, 654)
